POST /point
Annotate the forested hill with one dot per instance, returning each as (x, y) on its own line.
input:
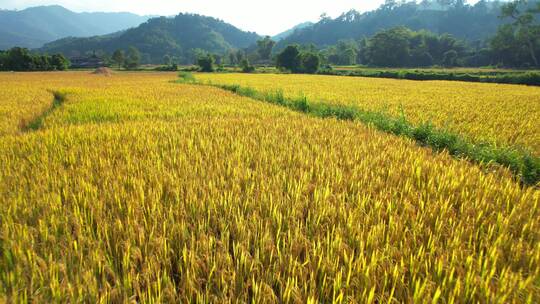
(469, 22)
(180, 36)
(35, 26)
(288, 32)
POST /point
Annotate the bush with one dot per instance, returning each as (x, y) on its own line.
(59, 62)
(246, 66)
(167, 68)
(289, 59)
(326, 70)
(133, 58)
(450, 58)
(530, 78)
(186, 77)
(206, 63)
(192, 68)
(309, 62)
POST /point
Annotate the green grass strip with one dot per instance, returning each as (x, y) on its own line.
(528, 78)
(37, 123)
(522, 163)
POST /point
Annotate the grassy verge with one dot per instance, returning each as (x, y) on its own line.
(37, 123)
(528, 78)
(522, 163)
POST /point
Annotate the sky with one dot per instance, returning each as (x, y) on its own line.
(264, 17)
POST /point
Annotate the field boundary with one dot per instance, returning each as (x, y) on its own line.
(37, 123)
(526, 78)
(524, 165)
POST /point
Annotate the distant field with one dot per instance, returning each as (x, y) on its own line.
(496, 113)
(467, 70)
(139, 189)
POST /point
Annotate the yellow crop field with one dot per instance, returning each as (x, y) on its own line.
(502, 114)
(24, 96)
(20, 104)
(137, 189)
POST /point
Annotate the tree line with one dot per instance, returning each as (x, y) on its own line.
(21, 59)
(129, 60)
(516, 45)
(473, 22)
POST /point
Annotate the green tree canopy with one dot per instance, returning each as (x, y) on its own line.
(206, 63)
(133, 58)
(59, 62)
(309, 62)
(21, 59)
(390, 48)
(518, 43)
(264, 47)
(289, 58)
(119, 57)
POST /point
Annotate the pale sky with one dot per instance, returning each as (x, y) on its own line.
(267, 17)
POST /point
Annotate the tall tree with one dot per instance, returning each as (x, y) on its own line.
(206, 63)
(19, 59)
(59, 62)
(118, 57)
(3, 60)
(390, 48)
(524, 24)
(167, 60)
(133, 58)
(345, 52)
(289, 58)
(309, 62)
(264, 47)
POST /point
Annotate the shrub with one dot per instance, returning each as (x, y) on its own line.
(450, 58)
(246, 66)
(167, 68)
(206, 63)
(59, 62)
(186, 77)
(289, 59)
(133, 58)
(309, 62)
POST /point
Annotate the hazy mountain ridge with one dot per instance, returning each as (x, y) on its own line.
(468, 22)
(36, 26)
(177, 36)
(288, 32)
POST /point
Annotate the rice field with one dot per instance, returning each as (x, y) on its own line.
(20, 104)
(137, 189)
(502, 114)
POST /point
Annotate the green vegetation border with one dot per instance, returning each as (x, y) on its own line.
(37, 123)
(522, 163)
(527, 78)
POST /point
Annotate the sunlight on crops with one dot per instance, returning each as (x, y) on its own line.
(19, 104)
(503, 114)
(138, 189)
(24, 96)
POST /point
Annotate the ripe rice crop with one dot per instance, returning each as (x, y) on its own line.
(25, 96)
(495, 113)
(142, 190)
(20, 104)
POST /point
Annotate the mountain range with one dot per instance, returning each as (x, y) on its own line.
(288, 32)
(180, 36)
(33, 27)
(468, 22)
(55, 29)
